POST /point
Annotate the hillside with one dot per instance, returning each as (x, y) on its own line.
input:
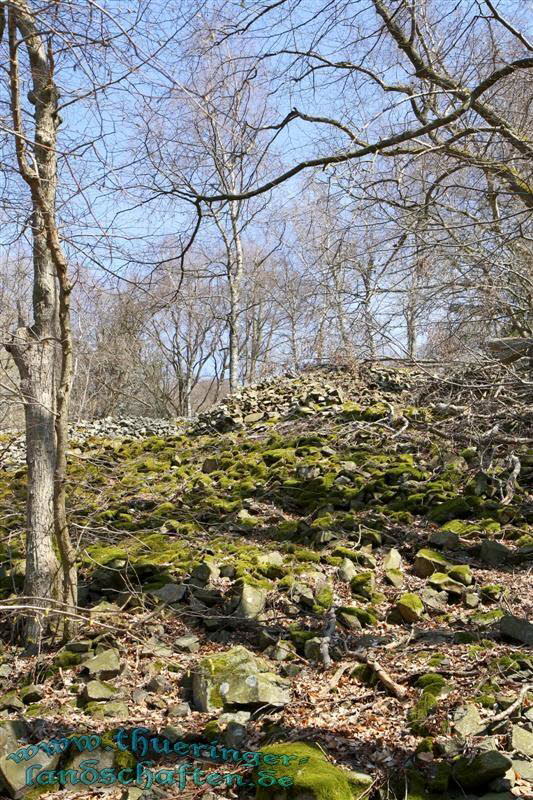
(340, 558)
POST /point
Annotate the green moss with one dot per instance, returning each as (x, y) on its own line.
(456, 508)
(486, 618)
(419, 713)
(280, 454)
(323, 600)
(432, 682)
(363, 585)
(312, 774)
(365, 617)
(287, 529)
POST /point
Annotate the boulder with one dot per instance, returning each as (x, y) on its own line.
(395, 577)
(442, 582)
(427, 562)
(522, 740)
(493, 553)
(392, 560)
(13, 775)
(105, 665)
(250, 601)
(204, 573)
(462, 574)
(363, 584)
(347, 570)
(170, 592)
(240, 678)
(113, 708)
(410, 607)
(467, 721)
(444, 539)
(98, 690)
(433, 599)
(516, 628)
(312, 649)
(187, 644)
(477, 772)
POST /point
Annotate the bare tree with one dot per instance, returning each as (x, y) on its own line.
(42, 349)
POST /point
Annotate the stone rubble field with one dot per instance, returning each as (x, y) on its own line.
(336, 563)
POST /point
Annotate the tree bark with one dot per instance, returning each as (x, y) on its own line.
(42, 351)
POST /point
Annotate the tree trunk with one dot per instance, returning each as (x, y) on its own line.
(42, 351)
(235, 272)
(35, 359)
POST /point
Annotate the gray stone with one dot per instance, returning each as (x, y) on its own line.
(237, 677)
(170, 592)
(281, 651)
(427, 562)
(505, 783)
(158, 685)
(493, 553)
(467, 721)
(462, 574)
(523, 769)
(471, 600)
(111, 708)
(234, 735)
(11, 702)
(81, 646)
(5, 670)
(392, 560)
(179, 710)
(97, 690)
(173, 733)
(444, 539)
(187, 644)
(477, 772)
(516, 628)
(251, 601)
(347, 570)
(522, 740)
(139, 696)
(312, 649)
(395, 577)
(410, 607)
(270, 559)
(104, 757)
(154, 647)
(437, 601)
(12, 775)
(204, 573)
(242, 717)
(442, 582)
(31, 694)
(105, 664)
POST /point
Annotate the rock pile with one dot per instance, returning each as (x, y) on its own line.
(13, 447)
(321, 391)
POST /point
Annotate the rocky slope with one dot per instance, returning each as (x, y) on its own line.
(338, 559)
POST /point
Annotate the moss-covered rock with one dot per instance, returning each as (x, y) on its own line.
(363, 585)
(477, 772)
(237, 677)
(429, 561)
(410, 607)
(313, 776)
(462, 574)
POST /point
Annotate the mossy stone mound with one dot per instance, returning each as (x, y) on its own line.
(314, 777)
